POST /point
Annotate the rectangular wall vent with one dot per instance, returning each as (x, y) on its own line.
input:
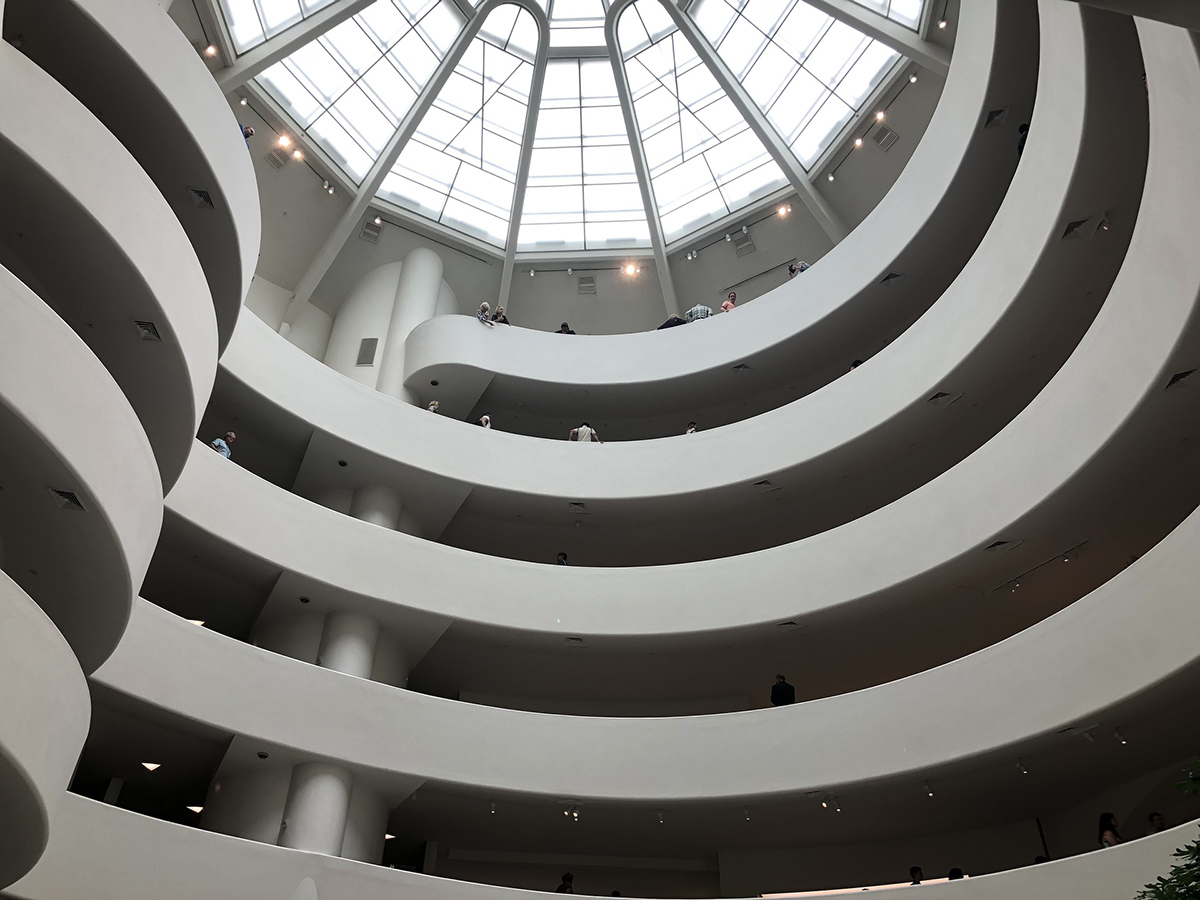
(278, 157)
(943, 398)
(366, 352)
(743, 243)
(1178, 377)
(201, 199)
(884, 137)
(587, 284)
(740, 368)
(577, 507)
(890, 277)
(575, 643)
(147, 331)
(66, 499)
(370, 232)
(766, 486)
(995, 118)
(1002, 546)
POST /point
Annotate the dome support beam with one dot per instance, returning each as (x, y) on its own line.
(348, 224)
(812, 199)
(903, 40)
(258, 59)
(641, 168)
(531, 118)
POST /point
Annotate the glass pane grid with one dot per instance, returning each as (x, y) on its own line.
(253, 21)
(906, 12)
(349, 89)
(460, 168)
(582, 192)
(704, 160)
(808, 72)
(577, 23)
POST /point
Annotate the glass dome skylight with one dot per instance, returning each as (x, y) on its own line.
(350, 89)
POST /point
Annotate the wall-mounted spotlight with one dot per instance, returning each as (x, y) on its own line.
(880, 116)
(660, 817)
(1021, 767)
(570, 271)
(378, 220)
(729, 237)
(912, 79)
(858, 142)
(1120, 739)
(210, 51)
(631, 270)
(297, 154)
(285, 141)
(243, 101)
(324, 185)
(942, 23)
(531, 273)
(784, 210)
(746, 812)
(493, 807)
(830, 176)
(928, 789)
(745, 229)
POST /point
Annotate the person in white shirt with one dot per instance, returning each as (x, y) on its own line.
(584, 432)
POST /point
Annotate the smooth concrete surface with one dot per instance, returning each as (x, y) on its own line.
(805, 332)
(348, 644)
(39, 673)
(128, 63)
(67, 426)
(69, 184)
(415, 302)
(1122, 656)
(105, 851)
(1026, 294)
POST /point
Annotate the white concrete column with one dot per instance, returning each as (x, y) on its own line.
(391, 665)
(348, 644)
(416, 300)
(366, 825)
(318, 802)
(376, 504)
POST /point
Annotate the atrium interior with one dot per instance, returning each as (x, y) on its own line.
(305, 593)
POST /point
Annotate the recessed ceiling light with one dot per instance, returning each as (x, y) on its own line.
(297, 154)
(858, 142)
(285, 141)
(880, 116)
(150, 767)
(912, 79)
(631, 269)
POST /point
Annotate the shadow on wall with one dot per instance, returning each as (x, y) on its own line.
(306, 890)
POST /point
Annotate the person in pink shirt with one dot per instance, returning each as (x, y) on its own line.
(730, 302)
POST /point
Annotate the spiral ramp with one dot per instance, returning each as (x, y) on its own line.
(991, 599)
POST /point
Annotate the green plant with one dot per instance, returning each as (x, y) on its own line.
(1183, 881)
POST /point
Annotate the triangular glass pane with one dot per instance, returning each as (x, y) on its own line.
(705, 162)
(791, 57)
(468, 146)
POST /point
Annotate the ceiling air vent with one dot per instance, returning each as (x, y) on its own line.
(574, 506)
(766, 486)
(278, 157)
(1002, 546)
(147, 331)
(995, 118)
(587, 284)
(1178, 377)
(370, 232)
(942, 398)
(884, 137)
(66, 499)
(201, 199)
(743, 243)
(890, 277)
(1076, 230)
(366, 352)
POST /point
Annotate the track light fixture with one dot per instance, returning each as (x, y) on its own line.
(493, 807)
(912, 79)
(570, 271)
(243, 101)
(928, 789)
(210, 51)
(942, 23)
(746, 812)
(660, 817)
(378, 220)
(729, 237)
(1021, 767)
(858, 142)
(830, 176)
(1120, 739)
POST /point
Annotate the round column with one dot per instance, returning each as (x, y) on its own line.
(416, 300)
(318, 801)
(348, 644)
